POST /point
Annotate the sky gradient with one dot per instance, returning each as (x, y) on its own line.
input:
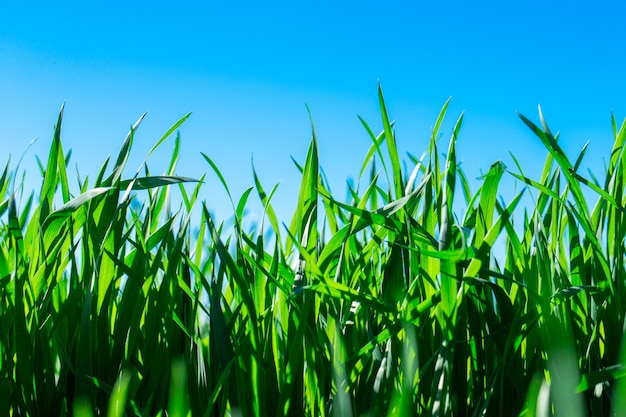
(246, 70)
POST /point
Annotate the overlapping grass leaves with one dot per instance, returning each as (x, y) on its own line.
(389, 304)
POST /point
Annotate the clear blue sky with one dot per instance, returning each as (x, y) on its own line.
(246, 69)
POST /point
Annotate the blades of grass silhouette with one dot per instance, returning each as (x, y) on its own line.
(609, 374)
(592, 239)
(433, 166)
(174, 158)
(100, 178)
(356, 363)
(238, 279)
(440, 400)
(53, 222)
(550, 142)
(162, 200)
(26, 211)
(159, 235)
(617, 153)
(42, 170)
(16, 238)
(392, 147)
(220, 177)
(342, 403)
(304, 223)
(447, 269)
(547, 139)
(266, 199)
(486, 245)
(331, 218)
(368, 194)
(335, 290)
(373, 200)
(465, 186)
(426, 225)
(557, 253)
(43, 276)
(302, 234)
(414, 308)
(130, 308)
(375, 148)
(62, 164)
(123, 155)
(270, 273)
(156, 362)
(451, 255)
(106, 272)
(235, 273)
(50, 180)
(166, 135)
(383, 216)
(604, 194)
(419, 167)
(5, 180)
(191, 202)
(291, 398)
(440, 117)
(539, 186)
(579, 158)
(154, 181)
(241, 204)
(331, 253)
(299, 167)
(22, 352)
(488, 198)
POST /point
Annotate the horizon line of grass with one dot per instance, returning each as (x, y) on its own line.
(389, 304)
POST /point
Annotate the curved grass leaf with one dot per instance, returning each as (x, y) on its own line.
(154, 181)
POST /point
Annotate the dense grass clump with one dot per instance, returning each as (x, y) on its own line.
(388, 304)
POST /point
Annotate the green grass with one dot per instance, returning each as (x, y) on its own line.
(113, 302)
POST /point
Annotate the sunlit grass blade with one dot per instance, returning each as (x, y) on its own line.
(154, 181)
(448, 275)
(392, 147)
(123, 155)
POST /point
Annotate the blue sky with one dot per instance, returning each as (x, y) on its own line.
(246, 69)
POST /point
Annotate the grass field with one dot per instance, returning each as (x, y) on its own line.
(114, 301)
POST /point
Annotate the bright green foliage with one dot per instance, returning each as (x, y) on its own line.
(389, 304)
